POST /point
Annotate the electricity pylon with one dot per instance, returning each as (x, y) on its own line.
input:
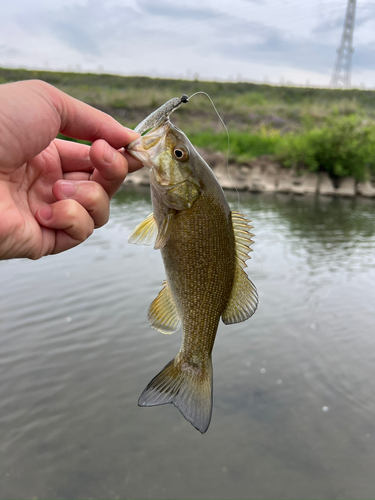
(343, 66)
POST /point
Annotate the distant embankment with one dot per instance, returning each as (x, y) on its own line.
(265, 175)
(322, 139)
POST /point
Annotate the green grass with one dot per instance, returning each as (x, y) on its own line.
(242, 146)
(65, 138)
(304, 128)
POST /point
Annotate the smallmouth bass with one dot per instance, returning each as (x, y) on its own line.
(204, 246)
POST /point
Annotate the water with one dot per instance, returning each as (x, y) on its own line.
(294, 390)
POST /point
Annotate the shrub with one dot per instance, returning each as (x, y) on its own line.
(345, 146)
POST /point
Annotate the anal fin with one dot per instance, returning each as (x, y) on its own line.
(162, 313)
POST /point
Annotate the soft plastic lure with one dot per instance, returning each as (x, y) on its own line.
(161, 114)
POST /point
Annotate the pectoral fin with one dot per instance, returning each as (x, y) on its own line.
(243, 299)
(162, 313)
(165, 230)
(145, 233)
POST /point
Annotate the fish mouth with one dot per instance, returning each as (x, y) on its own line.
(149, 146)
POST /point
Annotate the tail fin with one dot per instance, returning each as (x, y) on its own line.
(187, 386)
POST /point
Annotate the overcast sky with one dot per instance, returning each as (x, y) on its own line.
(285, 41)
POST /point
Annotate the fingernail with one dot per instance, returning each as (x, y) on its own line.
(68, 188)
(132, 135)
(109, 154)
(46, 213)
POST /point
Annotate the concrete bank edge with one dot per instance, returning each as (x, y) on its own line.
(265, 175)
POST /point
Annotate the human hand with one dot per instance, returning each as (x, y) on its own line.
(53, 193)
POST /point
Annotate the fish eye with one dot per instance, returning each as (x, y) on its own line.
(180, 153)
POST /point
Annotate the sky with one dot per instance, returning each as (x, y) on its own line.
(267, 41)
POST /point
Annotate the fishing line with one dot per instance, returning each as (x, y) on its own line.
(227, 131)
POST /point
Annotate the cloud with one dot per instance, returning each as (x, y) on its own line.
(64, 24)
(87, 28)
(215, 38)
(280, 51)
(109, 28)
(82, 40)
(177, 11)
(364, 15)
(363, 56)
(326, 27)
(6, 51)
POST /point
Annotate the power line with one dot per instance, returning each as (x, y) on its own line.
(342, 71)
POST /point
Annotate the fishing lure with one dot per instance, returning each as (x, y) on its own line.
(161, 114)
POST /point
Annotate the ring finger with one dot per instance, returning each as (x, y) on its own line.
(91, 195)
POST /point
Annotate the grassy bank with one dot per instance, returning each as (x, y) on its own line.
(305, 128)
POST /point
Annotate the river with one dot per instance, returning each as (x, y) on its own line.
(294, 386)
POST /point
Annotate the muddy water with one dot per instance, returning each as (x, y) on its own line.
(294, 387)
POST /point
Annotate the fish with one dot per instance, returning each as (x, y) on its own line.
(204, 246)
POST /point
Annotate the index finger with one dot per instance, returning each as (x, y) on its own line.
(34, 112)
(81, 121)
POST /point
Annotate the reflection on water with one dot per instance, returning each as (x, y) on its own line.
(294, 397)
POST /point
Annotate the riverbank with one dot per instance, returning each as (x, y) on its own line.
(307, 129)
(267, 175)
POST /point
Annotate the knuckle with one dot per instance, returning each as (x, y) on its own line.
(96, 194)
(91, 195)
(81, 224)
(71, 209)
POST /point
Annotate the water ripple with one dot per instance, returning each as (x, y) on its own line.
(76, 351)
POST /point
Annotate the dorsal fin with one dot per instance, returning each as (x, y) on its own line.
(162, 313)
(243, 299)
